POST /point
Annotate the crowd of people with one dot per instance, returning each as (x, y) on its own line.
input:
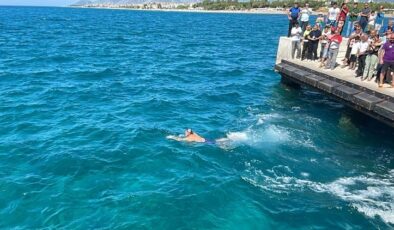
(370, 44)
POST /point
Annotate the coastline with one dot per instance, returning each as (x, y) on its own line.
(253, 11)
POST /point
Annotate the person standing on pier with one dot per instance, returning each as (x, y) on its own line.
(383, 39)
(342, 17)
(354, 52)
(356, 33)
(364, 17)
(371, 61)
(320, 21)
(304, 18)
(305, 43)
(387, 59)
(379, 19)
(353, 15)
(335, 41)
(293, 16)
(333, 13)
(371, 22)
(296, 33)
(314, 37)
(325, 43)
(362, 55)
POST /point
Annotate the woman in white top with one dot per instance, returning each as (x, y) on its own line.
(305, 13)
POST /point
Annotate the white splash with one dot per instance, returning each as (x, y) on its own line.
(369, 194)
(238, 136)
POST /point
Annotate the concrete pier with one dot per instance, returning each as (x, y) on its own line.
(341, 84)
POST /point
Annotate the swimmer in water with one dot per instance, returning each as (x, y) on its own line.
(191, 136)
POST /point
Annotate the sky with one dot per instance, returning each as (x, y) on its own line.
(37, 2)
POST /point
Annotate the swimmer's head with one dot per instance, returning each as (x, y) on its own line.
(188, 132)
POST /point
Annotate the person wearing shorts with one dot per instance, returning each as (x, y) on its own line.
(387, 59)
(354, 52)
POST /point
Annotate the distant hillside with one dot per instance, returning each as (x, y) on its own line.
(126, 2)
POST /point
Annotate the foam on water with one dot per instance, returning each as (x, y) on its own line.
(255, 137)
(369, 194)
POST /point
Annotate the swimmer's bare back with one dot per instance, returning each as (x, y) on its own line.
(187, 139)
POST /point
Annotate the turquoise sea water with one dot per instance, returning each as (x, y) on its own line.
(87, 98)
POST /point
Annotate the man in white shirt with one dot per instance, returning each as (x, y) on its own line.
(296, 32)
(305, 13)
(333, 14)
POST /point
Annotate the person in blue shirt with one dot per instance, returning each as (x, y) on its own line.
(380, 19)
(293, 15)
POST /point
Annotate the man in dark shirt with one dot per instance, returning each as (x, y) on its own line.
(365, 16)
(293, 15)
(314, 37)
